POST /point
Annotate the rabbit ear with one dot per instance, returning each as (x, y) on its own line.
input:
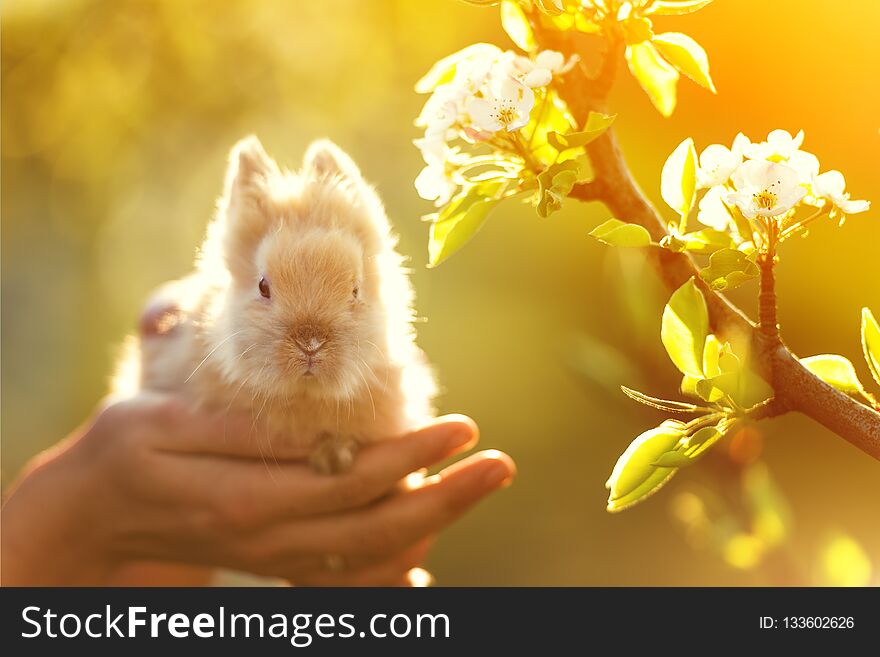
(245, 205)
(249, 167)
(325, 158)
(248, 180)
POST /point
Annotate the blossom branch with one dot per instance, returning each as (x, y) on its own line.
(767, 408)
(794, 386)
(594, 190)
(768, 323)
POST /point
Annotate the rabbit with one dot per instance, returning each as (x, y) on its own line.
(299, 310)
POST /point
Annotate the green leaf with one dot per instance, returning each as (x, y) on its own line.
(673, 459)
(687, 56)
(714, 388)
(515, 23)
(705, 242)
(597, 121)
(673, 8)
(660, 404)
(728, 268)
(836, 371)
(685, 327)
(743, 227)
(461, 220)
(696, 444)
(596, 125)
(702, 439)
(618, 233)
(871, 343)
(444, 70)
(657, 76)
(689, 385)
(555, 184)
(712, 355)
(700, 242)
(678, 180)
(727, 374)
(752, 388)
(550, 115)
(704, 387)
(635, 476)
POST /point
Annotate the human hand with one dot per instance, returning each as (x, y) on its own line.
(151, 478)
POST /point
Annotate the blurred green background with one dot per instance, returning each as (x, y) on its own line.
(116, 121)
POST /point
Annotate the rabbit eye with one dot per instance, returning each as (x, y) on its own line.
(264, 288)
(355, 291)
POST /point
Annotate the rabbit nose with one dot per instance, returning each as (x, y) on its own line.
(309, 339)
(310, 346)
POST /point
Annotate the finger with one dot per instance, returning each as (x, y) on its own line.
(389, 525)
(237, 434)
(245, 494)
(170, 422)
(369, 534)
(185, 428)
(392, 571)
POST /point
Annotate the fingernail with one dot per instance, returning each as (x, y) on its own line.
(459, 437)
(497, 476)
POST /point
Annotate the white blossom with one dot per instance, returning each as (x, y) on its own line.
(831, 185)
(433, 182)
(505, 105)
(780, 145)
(765, 189)
(489, 91)
(717, 163)
(547, 64)
(441, 110)
(806, 165)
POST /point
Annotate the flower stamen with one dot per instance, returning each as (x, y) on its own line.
(765, 199)
(505, 115)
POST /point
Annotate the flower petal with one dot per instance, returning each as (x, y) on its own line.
(854, 207)
(444, 70)
(539, 77)
(713, 212)
(744, 201)
(830, 184)
(550, 59)
(787, 197)
(717, 162)
(483, 115)
(431, 184)
(806, 165)
(780, 138)
(740, 142)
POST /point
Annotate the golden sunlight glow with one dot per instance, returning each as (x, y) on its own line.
(420, 578)
(116, 126)
(743, 551)
(844, 563)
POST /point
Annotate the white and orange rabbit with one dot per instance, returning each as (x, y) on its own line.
(299, 310)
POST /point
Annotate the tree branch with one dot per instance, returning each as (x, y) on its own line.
(767, 408)
(795, 387)
(768, 324)
(594, 190)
